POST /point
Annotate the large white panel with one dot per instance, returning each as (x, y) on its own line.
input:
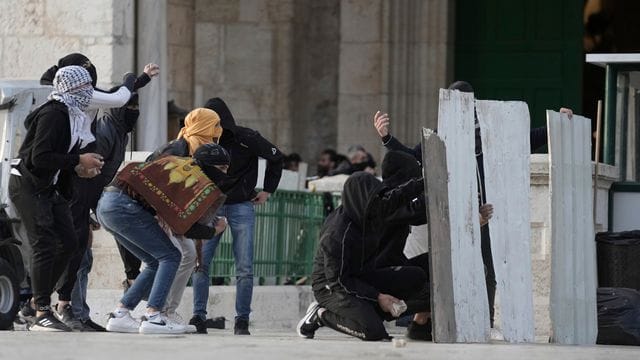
(505, 145)
(469, 319)
(573, 255)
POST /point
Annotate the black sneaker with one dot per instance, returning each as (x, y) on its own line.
(89, 324)
(48, 322)
(216, 323)
(241, 327)
(201, 327)
(66, 316)
(27, 315)
(416, 331)
(310, 322)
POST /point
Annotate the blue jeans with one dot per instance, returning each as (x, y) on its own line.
(241, 218)
(79, 304)
(138, 231)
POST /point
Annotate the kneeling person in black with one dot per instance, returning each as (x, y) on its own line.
(353, 296)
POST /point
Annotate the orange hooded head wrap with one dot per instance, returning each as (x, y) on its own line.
(201, 126)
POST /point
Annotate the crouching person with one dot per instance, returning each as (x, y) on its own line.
(353, 296)
(179, 192)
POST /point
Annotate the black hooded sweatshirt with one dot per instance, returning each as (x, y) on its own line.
(112, 137)
(45, 149)
(397, 168)
(245, 146)
(350, 237)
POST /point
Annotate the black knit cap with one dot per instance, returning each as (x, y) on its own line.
(80, 60)
(211, 155)
(463, 86)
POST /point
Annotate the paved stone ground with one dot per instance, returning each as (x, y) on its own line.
(266, 345)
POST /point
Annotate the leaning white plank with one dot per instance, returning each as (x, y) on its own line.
(504, 128)
(456, 128)
(436, 181)
(573, 260)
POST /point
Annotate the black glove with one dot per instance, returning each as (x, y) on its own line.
(141, 81)
(129, 80)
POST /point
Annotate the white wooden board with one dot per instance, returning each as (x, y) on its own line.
(470, 308)
(573, 254)
(504, 127)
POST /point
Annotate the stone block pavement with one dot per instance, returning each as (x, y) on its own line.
(267, 344)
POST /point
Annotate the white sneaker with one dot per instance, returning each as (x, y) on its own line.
(161, 325)
(124, 324)
(175, 318)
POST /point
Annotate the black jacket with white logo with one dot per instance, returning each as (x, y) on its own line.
(245, 146)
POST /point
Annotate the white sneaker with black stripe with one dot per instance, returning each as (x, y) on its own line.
(160, 324)
(310, 322)
(48, 323)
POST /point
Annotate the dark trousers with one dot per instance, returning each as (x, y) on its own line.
(489, 272)
(363, 318)
(47, 218)
(84, 199)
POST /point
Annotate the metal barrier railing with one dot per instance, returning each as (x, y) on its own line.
(286, 234)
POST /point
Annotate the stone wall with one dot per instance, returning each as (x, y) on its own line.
(243, 54)
(311, 74)
(34, 34)
(306, 74)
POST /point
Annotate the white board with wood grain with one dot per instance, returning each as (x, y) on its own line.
(504, 128)
(467, 314)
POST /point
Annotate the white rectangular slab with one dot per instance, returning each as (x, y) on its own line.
(464, 299)
(504, 128)
(573, 254)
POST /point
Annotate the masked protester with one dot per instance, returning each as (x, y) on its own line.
(135, 212)
(115, 97)
(111, 132)
(245, 146)
(353, 295)
(41, 183)
(202, 126)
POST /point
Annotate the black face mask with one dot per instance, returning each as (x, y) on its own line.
(131, 118)
(131, 113)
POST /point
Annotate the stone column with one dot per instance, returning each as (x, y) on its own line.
(418, 61)
(314, 95)
(360, 73)
(151, 131)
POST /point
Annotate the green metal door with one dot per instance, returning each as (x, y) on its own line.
(522, 50)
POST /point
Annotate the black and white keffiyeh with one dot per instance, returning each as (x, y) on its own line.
(72, 87)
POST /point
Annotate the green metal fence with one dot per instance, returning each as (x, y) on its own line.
(286, 234)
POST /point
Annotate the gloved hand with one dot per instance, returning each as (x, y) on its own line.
(128, 80)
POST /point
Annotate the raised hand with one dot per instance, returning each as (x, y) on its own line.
(381, 123)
